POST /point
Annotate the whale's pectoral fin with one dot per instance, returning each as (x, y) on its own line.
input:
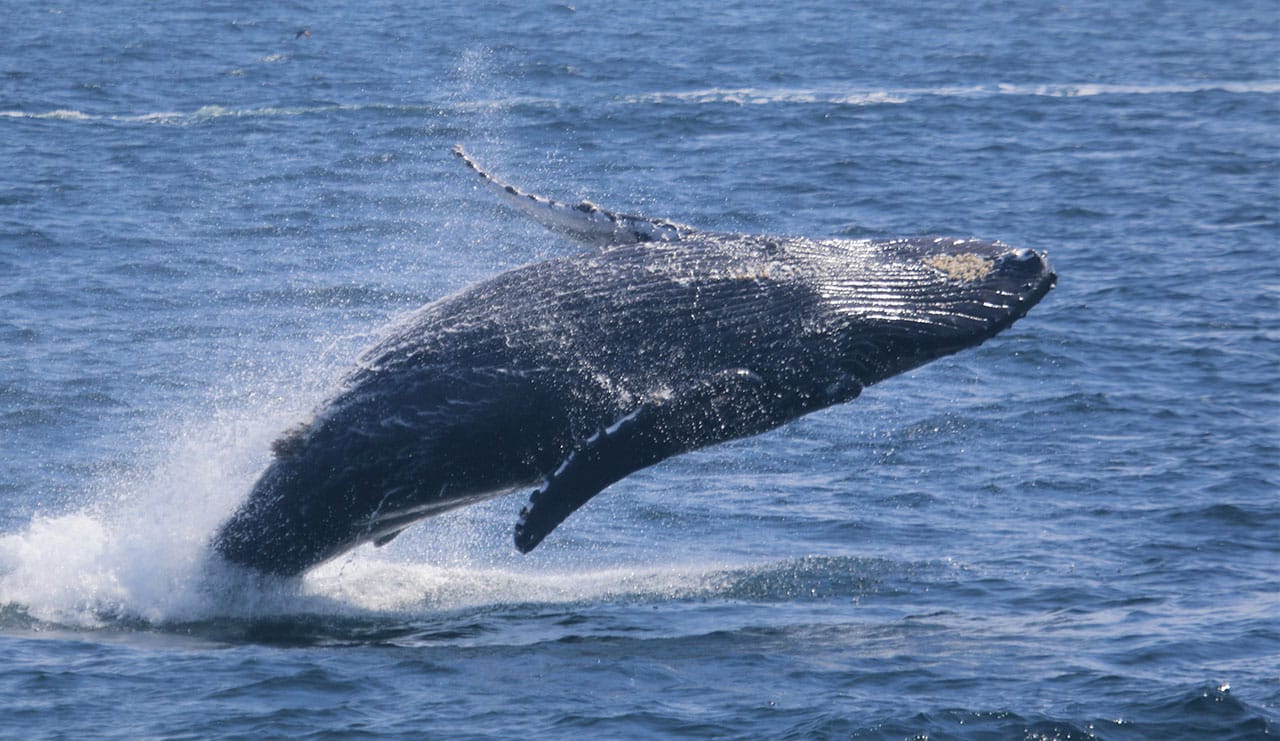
(605, 457)
(733, 404)
(584, 222)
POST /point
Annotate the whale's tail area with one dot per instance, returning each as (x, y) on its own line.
(585, 222)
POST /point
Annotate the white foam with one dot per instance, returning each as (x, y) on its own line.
(847, 96)
(60, 114)
(139, 552)
(138, 548)
(754, 96)
(367, 583)
(876, 96)
(93, 570)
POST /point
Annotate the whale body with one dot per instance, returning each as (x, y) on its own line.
(566, 375)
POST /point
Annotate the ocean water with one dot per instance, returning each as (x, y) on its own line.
(1072, 531)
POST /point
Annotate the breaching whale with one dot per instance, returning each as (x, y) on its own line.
(566, 375)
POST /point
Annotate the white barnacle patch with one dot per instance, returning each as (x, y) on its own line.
(967, 267)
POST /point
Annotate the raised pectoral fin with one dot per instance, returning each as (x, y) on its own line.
(584, 222)
(731, 404)
(604, 458)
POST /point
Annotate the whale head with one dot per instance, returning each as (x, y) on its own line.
(902, 303)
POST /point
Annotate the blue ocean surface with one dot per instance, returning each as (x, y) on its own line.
(1072, 531)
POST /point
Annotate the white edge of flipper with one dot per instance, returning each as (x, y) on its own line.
(585, 222)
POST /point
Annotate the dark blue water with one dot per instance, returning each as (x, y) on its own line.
(1071, 531)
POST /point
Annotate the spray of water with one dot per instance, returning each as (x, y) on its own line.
(138, 549)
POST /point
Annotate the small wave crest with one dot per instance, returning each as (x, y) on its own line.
(60, 114)
(733, 96)
(872, 96)
(211, 112)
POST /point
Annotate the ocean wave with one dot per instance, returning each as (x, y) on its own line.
(755, 96)
(212, 112)
(61, 114)
(871, 96)
(734, 96)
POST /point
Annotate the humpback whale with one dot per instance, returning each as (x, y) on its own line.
(564, 376)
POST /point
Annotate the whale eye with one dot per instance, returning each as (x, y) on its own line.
(967, 267)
